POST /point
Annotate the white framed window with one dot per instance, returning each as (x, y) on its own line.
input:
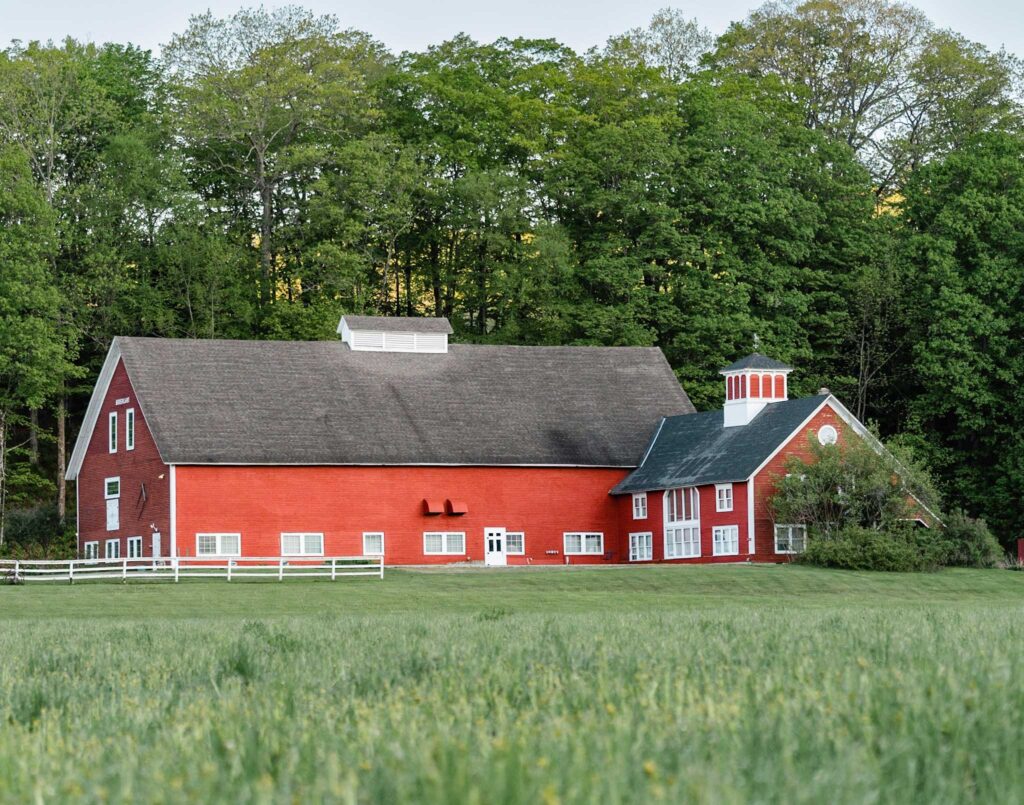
(302, 544)
(129, 429)
(134, 547)
(682, 542)
(682, 505)
(790, 538)
(92, 550)
(583, 543)
(641, 547)
(515, 542)
(112, 549)
(373, 543)
(112, 496)
(639, 505)
(723, 497)
(112, 432)
(725, 540)
(828, 435)
(444, 542)
(218, 544)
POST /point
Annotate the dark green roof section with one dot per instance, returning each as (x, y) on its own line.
(755, 361)
(696, 449)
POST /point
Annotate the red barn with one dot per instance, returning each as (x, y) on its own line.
(393, 441)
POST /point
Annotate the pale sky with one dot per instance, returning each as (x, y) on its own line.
(412, 25)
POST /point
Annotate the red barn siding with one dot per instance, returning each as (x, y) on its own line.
(142, 465)
(343, 502)
(765, 481)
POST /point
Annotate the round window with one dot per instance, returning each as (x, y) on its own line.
(827, 435)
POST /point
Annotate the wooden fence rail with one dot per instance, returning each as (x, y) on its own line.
(276, 568)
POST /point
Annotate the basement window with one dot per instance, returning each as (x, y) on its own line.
(302, 544)
(583, 543)
(444, 542)
(218, 544)
(373, 543)
(790, 538)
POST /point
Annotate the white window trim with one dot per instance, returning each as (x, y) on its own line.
(134, 541)
(775, 533)
(373, 534)
(106, 483)
(116, 543)
(718, 529)
(220, 543)
(129, 429)
(445, 547)
(583, 543)
(93, 547)
(508, 550)
(719, 488)
(650, 540)
(112, 432)
(639, 505)
(302, 542)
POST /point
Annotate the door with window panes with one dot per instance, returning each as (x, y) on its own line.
(495, 550)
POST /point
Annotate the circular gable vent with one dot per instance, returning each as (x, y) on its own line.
(827, 435)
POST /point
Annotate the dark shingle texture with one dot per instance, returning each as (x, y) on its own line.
(399, 324)
(697, 449)
(267, 402)
(755, 361)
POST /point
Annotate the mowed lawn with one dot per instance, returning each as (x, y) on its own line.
(707, 684)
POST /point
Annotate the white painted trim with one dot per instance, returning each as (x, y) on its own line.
(718, 500)
(129, 429)
(302, 542)
(92, 412)
(112, 440)
(583, 543)
(751, 535)
(719, 528)
(640, 497)
(174, 513)
(650, 536)
(220, 552)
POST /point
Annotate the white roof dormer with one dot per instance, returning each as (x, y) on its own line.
(394, 334)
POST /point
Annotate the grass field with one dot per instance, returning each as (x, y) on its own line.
(718, 684)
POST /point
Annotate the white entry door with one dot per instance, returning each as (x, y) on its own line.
(495, 551)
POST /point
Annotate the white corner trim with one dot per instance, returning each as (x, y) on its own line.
(751, 535)
(174, 513)
(92, 413)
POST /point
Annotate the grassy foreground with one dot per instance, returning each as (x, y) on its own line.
(739, 684)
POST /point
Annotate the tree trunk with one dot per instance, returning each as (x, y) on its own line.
(435, 276)
(33, 437)
(62, 461)
(408, 287)
(266, 189)
(388, 251)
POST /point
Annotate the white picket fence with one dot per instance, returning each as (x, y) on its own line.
(272, 568)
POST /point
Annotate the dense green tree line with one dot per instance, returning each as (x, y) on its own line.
(840, 184)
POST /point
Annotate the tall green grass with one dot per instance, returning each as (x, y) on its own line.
(736, 704)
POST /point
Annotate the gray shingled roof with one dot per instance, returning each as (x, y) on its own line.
(285, 402)
(755, 361)
(399, 324)
(698, 449)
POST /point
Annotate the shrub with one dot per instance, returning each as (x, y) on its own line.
(37, 533)
(970, 543)
(902, 550)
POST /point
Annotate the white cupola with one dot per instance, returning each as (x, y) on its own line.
(394, 333)
(751, 383)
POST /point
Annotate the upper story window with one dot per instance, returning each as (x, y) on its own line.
(682, 505)
(129, 429)
(112, 432)
(639, 505)
(723, 497)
